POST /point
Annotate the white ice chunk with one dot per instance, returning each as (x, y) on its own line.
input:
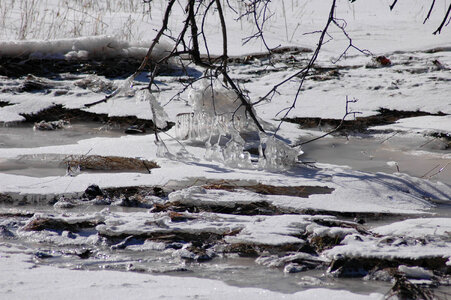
(278, 156)
(415, 272)
(159, 114)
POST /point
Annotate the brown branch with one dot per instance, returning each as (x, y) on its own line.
(224, 34)
(156, 40)
(203, 32)
(195, 53)
(342, 27)
(146, 58)
(244, 102)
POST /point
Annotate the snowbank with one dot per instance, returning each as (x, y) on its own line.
(78, 48)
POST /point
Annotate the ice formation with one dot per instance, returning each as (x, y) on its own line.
(95, 84)
(278, 155)
(216, 111)
(158, 113)
(221, 121)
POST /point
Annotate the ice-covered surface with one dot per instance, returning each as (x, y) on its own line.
(383, 192)
(388, 248)
(339, 200)
(73, 284)
(261, 231)
(412, 239)
(418, 228)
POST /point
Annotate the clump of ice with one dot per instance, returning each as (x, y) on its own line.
(217, 110)
(278, 156)
(125, 88)
(221, 121)
(275, 261)
(95, 84)
(163, 151)
(159, 114)
(389, 248)
(415, 272)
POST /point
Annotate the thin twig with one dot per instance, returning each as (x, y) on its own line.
(306, 70)
(393, 4)
(439, 29)
(430, 11)
(347, 113)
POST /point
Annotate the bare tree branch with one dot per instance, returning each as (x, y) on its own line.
(224, 34)
(347, 113)
(430, 11)
(393, 4)
(439, 29)
(306, 70)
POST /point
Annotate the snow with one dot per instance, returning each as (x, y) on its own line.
(368, 22)
(421, 125)
(384, 248)
(400, 240)
(417, 228)
(77, 48)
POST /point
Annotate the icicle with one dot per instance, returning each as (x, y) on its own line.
(163, 151)
(234, 156)
(183, 126)
(214, 152)
(218, 113)
(158, 113)
(126, 88)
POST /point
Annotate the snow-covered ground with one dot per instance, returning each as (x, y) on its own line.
(292, 217)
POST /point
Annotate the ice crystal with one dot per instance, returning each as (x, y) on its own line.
(278, 156)
(216, 111)
(159, 114)
(125, 89)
